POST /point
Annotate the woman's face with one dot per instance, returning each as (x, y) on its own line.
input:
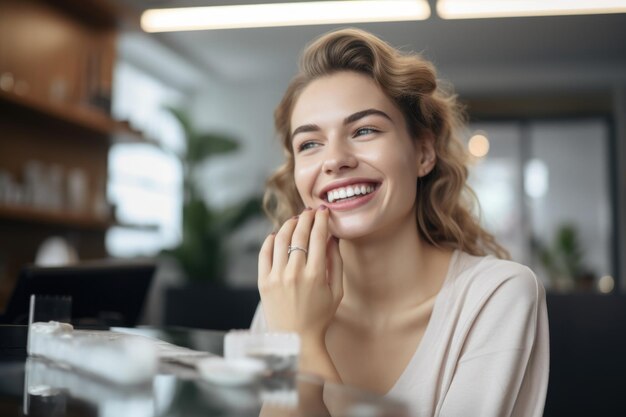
(353, 153)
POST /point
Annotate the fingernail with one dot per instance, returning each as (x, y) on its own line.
(323, 207)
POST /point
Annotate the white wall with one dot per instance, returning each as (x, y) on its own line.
(244, 111)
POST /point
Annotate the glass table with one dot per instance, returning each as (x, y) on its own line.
(37, 387)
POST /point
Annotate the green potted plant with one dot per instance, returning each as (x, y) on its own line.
(202, 254)
(563, 260)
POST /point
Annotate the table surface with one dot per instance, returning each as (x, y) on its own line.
(37, 387)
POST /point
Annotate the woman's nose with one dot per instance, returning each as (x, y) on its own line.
(338, 158)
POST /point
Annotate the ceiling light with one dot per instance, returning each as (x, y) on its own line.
(476, 9)
(283, 14)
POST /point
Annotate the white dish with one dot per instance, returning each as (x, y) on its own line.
(231, 372)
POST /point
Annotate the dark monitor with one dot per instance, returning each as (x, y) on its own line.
(104, 293)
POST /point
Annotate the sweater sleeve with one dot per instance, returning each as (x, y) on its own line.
(502, 367)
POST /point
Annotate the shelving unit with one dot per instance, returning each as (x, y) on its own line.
(70, 221)
(37, 216)
(56, 69)
(90, 120)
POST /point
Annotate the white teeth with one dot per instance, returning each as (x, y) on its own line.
(349, 191)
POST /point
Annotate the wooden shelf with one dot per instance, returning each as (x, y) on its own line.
(58, 218)
(86, 118)
(64, 219)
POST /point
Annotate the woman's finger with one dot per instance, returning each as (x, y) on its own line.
(265, 257)
(282, 240)
(300, 238)
(318, 240)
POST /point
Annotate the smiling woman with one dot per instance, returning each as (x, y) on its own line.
(395, 287)
(373, 145)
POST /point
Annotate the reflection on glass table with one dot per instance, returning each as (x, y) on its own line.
(53, 390)
(50, 389)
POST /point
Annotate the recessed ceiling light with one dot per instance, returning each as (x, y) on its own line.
(476, 9)
(283, 14)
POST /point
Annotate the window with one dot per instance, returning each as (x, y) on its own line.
(544, 190)
(145, 182)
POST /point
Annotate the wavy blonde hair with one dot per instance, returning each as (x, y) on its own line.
(444, 200)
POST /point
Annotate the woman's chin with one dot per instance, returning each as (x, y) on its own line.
(347, 231)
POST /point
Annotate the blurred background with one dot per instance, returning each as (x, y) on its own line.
(117, 142)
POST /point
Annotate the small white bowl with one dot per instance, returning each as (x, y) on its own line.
(231, 372)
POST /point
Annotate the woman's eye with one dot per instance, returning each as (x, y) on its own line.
(307, 145)
(365, 131)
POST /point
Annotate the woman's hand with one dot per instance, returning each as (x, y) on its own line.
(301, 290)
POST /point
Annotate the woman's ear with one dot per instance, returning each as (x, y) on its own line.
(426, 155)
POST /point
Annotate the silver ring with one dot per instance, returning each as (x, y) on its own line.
(293, 248)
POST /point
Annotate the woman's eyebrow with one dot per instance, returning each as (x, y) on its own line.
(350, 119)
(305, 128)
(363, 113)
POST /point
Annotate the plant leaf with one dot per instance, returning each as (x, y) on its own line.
(202, 253)
(204, 145)
(236, 216)
(183, 119)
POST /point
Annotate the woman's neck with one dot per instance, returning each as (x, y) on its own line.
(391, 274)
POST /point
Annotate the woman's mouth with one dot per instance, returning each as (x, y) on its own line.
(350, 192)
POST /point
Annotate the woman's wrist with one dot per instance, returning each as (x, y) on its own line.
(315, 359)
